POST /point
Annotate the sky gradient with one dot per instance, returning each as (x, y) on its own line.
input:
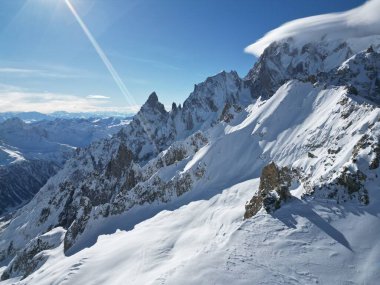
(48, 64)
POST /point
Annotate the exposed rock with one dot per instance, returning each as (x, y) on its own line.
(30, 258)
(347, 185)
(228, 112)
(311, 155)
(273, 189)
(120, 163)
(45, 212)
(79, 224)
(360, 74)
(353, 182)
(334, 150)
(374, 164)
(284, 60)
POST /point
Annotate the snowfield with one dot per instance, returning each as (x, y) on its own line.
(207, 242)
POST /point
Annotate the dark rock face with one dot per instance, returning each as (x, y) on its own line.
(153, 104)
(79, 224)
(361, 75)
(120, 163)
(273, 190)
(374, 145)
(376, 160)
(311, 155)
(228, 112)
(21, 181)
(354, 183)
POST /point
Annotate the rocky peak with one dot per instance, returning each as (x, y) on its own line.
(361, 73)
(221, 77)
(152, 104)
(152, 99)
(222, 87)
(287, 59)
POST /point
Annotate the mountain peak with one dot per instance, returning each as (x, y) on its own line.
(153, 104)
(14, 122)
(152, 99)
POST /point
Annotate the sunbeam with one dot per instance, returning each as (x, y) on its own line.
(119, 82)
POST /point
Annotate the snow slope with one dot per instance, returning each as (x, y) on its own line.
(207, 242)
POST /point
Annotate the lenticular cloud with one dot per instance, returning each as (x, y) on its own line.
(360, 22)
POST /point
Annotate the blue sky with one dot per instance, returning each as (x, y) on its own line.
(47, 63)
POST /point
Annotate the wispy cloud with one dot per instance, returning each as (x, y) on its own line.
(17, 70)
(14, 99)
(22, 72)
(41, 71)
(98, 97)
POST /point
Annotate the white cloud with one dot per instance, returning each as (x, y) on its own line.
(357, 23)
(17, 70)
(97, 97)
(14, 99)
(46, 72)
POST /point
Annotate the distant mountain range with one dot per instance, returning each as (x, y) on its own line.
(30, 153)
(36, 116)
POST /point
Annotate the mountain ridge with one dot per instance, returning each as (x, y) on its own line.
(162, 157)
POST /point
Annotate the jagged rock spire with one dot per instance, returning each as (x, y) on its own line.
(153, 104)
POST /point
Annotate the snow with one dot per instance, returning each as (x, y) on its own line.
(9, 155)
(201, 238)
(207, 242)
(361, 24)
(51, 139)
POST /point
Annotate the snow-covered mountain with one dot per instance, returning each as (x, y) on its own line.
(30, 153)
(267, 179)
(36, 116)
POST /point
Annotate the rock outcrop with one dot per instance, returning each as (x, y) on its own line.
(274, 187)
(31, 257)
